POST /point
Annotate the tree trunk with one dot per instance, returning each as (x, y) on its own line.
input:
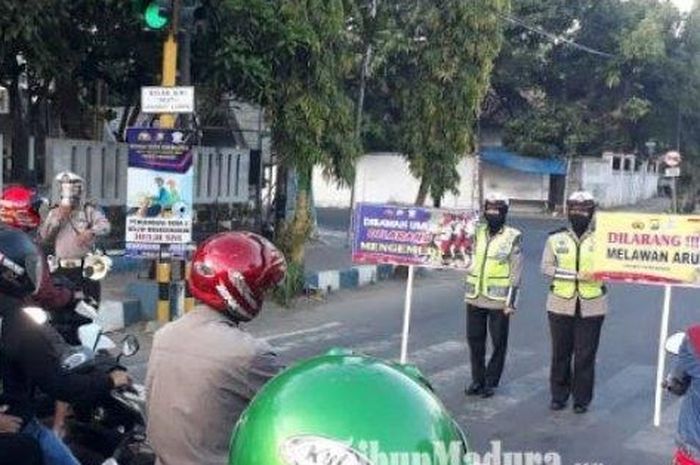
(300, 228)
(422, 192)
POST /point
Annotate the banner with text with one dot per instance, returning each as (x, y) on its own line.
(646, 248)
(160, 183)
(399, 235)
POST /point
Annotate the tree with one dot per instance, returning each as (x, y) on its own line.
(437, 79)
(609, 76)
(292, 57)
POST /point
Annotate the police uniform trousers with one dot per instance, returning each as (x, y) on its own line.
(481, 321)
(575, 343)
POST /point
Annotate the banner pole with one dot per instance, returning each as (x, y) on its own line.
(407, 315)
(661, 363)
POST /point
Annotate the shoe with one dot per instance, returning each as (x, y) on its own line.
(487, 392)
(556, 405)
(580, 409)
(474, 389)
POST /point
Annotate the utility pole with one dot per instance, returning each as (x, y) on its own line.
(364, 74)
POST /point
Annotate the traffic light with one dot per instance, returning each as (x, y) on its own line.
(156, 13)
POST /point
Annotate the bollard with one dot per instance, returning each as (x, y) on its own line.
(163, 279)
(189, 300)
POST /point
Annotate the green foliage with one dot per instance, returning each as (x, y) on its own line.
(617, 102)
(436, 80)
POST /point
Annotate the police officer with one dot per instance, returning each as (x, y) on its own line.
(71, 229)
(576, 305)
(491, 293)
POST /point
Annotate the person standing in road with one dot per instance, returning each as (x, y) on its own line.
(71, 229)
(492, 286)
(576, 305)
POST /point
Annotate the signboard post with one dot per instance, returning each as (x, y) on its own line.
(661, 250)
(413, 236)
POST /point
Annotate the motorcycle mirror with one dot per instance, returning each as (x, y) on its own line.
(130, 346)
(37, 314)
(673, 343)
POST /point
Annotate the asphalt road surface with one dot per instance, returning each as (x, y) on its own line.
(617, 430)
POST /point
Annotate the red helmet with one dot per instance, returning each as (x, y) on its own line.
(19, 208)
(231, 272)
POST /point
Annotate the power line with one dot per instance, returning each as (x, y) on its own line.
(556, 38)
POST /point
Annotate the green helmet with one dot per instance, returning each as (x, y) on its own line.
(347, 409)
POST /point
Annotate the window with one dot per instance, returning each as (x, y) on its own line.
(616, 163)
(637, 165)
(627, 165)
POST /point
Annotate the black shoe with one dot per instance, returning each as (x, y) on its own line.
(556, 405)
(580, 409)
(487, 392)
(474, 389)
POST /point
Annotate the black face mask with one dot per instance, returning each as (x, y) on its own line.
(580, 223)
(495, 221)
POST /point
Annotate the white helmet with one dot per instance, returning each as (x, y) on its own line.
(581, 197)
(497, 197)
(70, 188)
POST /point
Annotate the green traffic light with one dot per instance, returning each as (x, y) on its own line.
(153, 16)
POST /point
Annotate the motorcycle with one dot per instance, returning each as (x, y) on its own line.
(112, 432)
(68, 321)
(678, 384)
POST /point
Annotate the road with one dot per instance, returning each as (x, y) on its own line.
(616, 431)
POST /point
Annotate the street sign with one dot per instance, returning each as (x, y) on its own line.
(164, 100)
(674, 172)
(672, 159)
(4, 101)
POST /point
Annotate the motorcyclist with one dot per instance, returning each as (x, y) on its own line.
(204, 368)
(685, 380)
(20, 208)
(350, 409)
(30, 352)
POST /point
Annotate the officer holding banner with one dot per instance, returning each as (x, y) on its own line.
(491, 293)
(576, 305)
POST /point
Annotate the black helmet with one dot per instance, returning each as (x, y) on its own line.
(20, 263)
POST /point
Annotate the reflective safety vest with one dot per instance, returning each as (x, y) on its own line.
(489, 274)
(573, 257)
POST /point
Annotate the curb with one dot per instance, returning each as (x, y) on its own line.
(143, 295)
(350, 278)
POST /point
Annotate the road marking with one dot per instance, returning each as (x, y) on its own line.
(620, 389)
(659, 441)
(301, 332)
(445, 380)
(509, 395)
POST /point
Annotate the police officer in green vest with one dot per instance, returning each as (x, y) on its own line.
(491, 293)
(576, 305)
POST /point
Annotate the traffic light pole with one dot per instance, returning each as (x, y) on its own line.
(169, 79)
(170, 61)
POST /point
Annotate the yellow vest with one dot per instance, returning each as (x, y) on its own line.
(489, 274)
(573, 257)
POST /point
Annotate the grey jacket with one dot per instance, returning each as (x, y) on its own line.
(202, 373)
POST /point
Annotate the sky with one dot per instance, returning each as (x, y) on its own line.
(684, 5)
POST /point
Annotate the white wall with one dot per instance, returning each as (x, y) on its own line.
(629, 184)
(385, 178)
(515, 185)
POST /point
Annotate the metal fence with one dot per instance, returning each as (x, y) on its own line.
(220, 173)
